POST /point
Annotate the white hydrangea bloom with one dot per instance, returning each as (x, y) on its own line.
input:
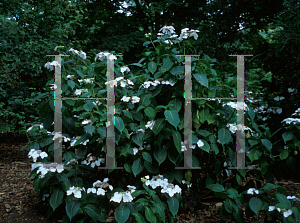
(135, 150)
(150, 124)
(279, 98)
(200, 143)
(287, 213)
(271, 208)
(125, 99)
(252, 191)
(124, 69)
(168, 30)
(291, 120)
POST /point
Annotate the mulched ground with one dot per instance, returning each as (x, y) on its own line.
(19, 201)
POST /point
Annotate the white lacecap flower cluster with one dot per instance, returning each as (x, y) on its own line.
(103, 55)
(35, 125)
(147, 84)
(92, 160)
(252, 191)
(123, 196)
(85, 122)
(81, 53)
(98, 187)
(51, 65)
(134, 99)
(36, 153)
(150, 124)
(88, 80)
(285, 213)
(170, 30)
(160, 181)
(124, 69)
(123, 82)
(199, 144)
(297, 112)
(76, 191)
(51, 167)
(80, 91)
(237, 105)
(279, 98)
(234, 127)
(288, 212)
(293, 120)
(293, 91)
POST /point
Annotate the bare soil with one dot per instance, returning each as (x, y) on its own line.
(19, 201)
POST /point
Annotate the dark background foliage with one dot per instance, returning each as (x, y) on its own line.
(95, 26)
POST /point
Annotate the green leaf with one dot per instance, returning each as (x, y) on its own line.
(251, 114)
(204, 133)
(254, 154)
(173, 205)
(89, 129)
(119, 123)
(233, 193)
(284, 154)
(159, 125)
(267, 143)
(177, 140)
(139, 217)
(202, 79)
(149, 214)
(102, 131)
(282, 199)
(147, 157)
(211, 118)
(167, 64)
(238, 179)
(296, 213)
(138, 138)
(228, 204)
(149, 111)
(56, 198)
(177, 104)
(214, 148)
(152, 67)
(80, 73)
(122, 213)
(62, 177)
(205, 147)
(177, 70)
(137, 64)
(71, 84)
(216, 187)
(137, 167)
(69, 156)
(287, 136)
(72, 208)
(92, 211)
(160, 211)
(224, 136)
(203, 114)
(69, 124)
(255, 204)
(128, 114)
(172, 117)
(138, 192)
(160, 154)
(128, 168)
